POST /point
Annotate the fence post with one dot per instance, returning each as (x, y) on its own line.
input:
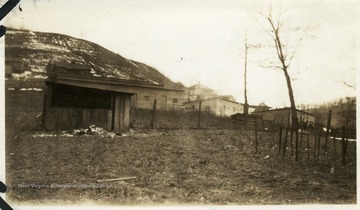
(301, 141)
(332, 170)
(291, 141)
(153, 115)
(280, 136)
(256, 136)
(315, 144)
(327, 132)
(296, 145)
(308, 145)
(334, 147)
(199, 115)
(285, 141)
(318, 145)
(343, 146)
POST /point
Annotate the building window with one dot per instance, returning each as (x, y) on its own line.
(146, 98)
(175, 100)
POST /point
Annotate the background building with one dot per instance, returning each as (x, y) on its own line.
(282, 117)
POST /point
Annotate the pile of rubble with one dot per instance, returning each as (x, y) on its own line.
(93, 130)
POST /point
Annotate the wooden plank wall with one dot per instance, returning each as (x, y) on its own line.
(122, 113)
(70, 118)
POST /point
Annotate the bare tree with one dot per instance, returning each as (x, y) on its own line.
(246, 105)
(285, 60)
(340, 78)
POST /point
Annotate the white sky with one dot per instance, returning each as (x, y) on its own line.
(202, 41)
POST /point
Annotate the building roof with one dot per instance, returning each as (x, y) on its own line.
(109, 84)
(285, 108)
(262, 104)
(72, 66)
(200, 86)
(87, 80)
(227, 97)
(214, 98)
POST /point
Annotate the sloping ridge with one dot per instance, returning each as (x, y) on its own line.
(37, 49)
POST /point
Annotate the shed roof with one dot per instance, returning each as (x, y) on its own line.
(72, 66)
(108, 84)
(90, 81)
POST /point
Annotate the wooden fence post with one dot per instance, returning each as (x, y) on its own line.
(153, 115)
(301, 142)
(256, 136)
(334, 147)
(285, 141)
(280, 136)
(318, 145)
(343, 146)
(296, 145)
(199, 115)
(327, 132)
(332, 170)
(308, 146)
(315, 144)
(291, 141)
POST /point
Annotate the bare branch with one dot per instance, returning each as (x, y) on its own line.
(346, 83)
(343, 80)
(293, 53)
(350, 85)
(269, 66)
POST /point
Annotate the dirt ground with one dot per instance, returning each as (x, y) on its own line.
(171, 166)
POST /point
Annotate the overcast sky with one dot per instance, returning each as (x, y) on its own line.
(202, 41)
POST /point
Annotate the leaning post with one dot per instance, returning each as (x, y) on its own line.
(327, 132)
(199, 115)
(153, 115)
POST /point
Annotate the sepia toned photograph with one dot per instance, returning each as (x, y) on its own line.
(180, 103)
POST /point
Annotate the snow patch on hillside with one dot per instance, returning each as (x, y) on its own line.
(40, 46)
(23, 76)
(40, 77)
(37, 68)
(134, 64)
(14, 32)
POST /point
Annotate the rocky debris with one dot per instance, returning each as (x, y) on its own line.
(93, 130)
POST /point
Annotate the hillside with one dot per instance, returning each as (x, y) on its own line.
(35, 49)
(343, 113)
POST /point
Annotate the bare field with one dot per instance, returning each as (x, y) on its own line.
(171, 166)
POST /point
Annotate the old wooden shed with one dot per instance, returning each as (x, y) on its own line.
(76, 99)
(282, 117)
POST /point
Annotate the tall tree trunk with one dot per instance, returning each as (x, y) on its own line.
(294, 118)
(284, 67)
(246, 106)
